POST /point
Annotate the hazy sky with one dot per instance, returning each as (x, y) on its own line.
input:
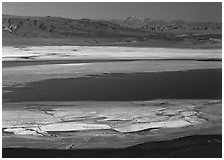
(117, 10)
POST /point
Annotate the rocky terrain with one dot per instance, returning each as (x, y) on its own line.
(58, 27)
(107, 32)
(174, 25)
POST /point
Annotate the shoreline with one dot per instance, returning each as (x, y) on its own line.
(17, 63)
(14, 74)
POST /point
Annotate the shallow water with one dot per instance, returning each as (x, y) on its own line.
(195, 84)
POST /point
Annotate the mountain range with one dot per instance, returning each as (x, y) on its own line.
(174, 25)
(131, 29)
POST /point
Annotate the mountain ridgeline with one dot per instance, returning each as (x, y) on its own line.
(132, 29)
(57, 27)
(174, 25)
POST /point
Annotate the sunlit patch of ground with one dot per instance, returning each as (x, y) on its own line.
(158, 118)
(97, 52)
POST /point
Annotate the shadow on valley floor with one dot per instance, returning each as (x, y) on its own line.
(197, 146)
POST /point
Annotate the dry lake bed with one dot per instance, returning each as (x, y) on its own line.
(116, 100)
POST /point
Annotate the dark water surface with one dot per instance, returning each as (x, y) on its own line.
(194, 84)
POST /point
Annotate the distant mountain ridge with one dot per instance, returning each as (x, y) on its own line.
(65, 27)
(133, 22)
(131, 31)
(56, 26)
(160, 25)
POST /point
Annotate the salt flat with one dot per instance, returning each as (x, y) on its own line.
(115, 114)
(51, 119)
(105, 52)
(24, 74)
(60, 124)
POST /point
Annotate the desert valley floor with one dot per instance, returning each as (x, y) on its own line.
(116, 100)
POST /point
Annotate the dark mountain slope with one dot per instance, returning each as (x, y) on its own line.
(64, 27)
(24, 30)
